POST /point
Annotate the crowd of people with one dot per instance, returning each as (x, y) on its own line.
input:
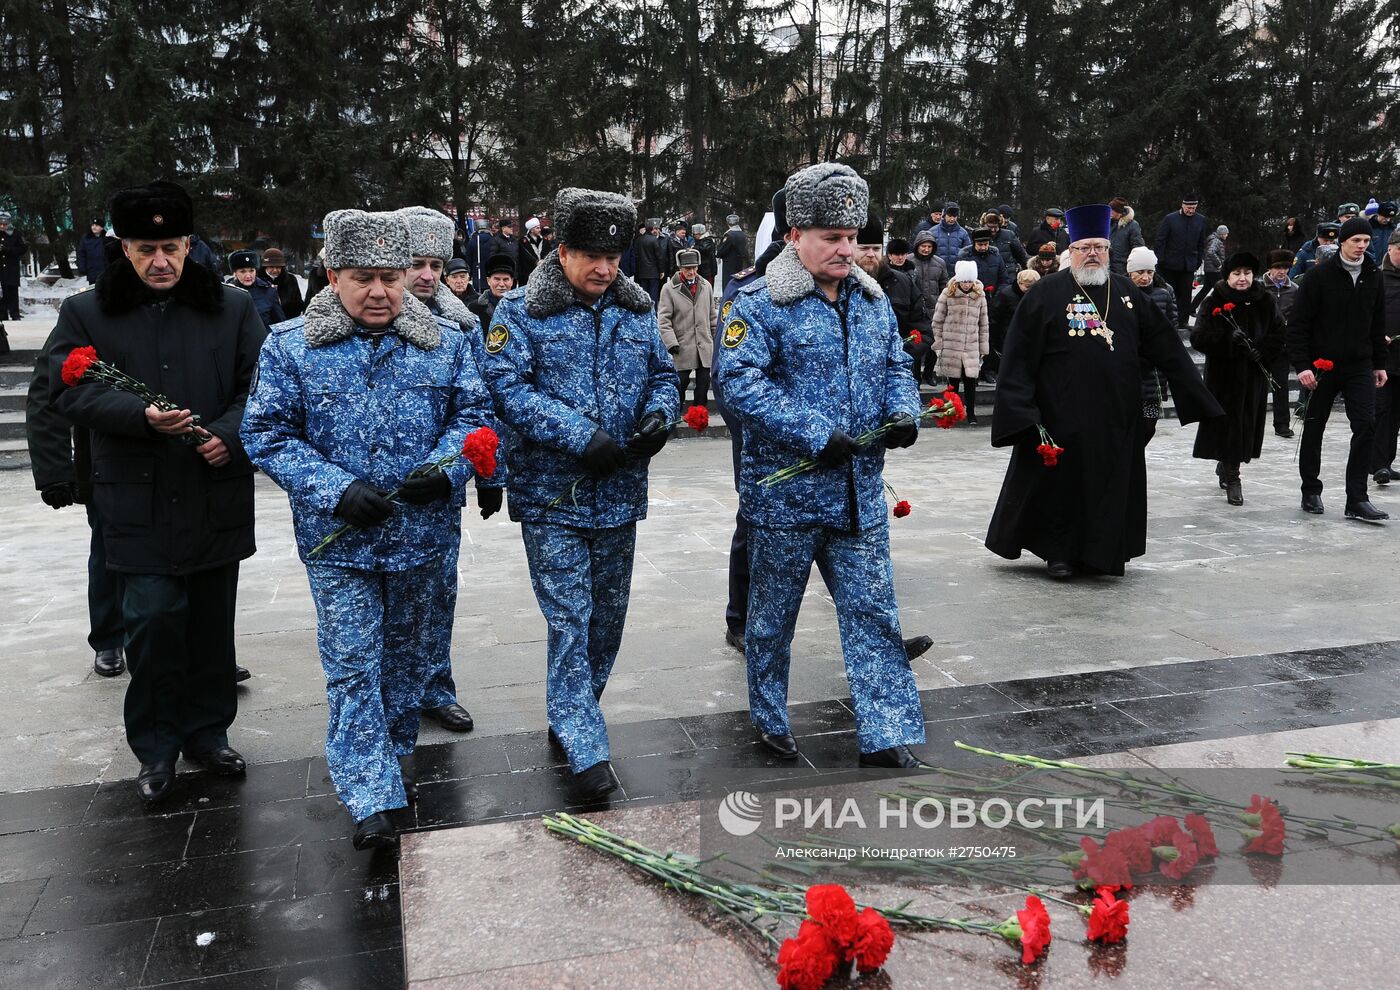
(419, 376)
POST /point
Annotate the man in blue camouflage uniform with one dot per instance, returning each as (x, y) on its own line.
(430, 239)
(363, 389)
(578, 372)
(812, 321)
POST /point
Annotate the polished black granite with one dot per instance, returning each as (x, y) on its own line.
(253, 883)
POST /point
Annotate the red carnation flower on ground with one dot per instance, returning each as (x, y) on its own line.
(874, 939)
(1268, 839)
(697, 418)
(807, 960)
(1203, 835)
(830, 906)
(480, 449)
(1104, 866)
(902, 509)
(1133, 845)
(1322, 364)
(1161, 830)
(1187, 856)
(1108, 921)
(1035, 929)
(76, 365)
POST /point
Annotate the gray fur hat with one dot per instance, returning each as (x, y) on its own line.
(590, 220)
(356, 239)
(687, 258)
(827, 195)
(429, 232)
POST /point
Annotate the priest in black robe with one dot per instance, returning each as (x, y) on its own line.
(1073, 365)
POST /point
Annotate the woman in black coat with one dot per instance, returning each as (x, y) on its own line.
(1239, 330)
(1293, 236)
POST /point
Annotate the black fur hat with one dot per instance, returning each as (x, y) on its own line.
(590, 220)
(242, 259)
(152, 212)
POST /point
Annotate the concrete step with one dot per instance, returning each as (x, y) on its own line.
(14, 455)
(12, 396)
(12, 424)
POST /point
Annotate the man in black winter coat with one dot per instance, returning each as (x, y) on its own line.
(733, 249)
(173, 489)
(1180, 245)
(274, 271)
(1340, 317)
(649, 256)
(12, 248)
(92, 252)
(1388, 398)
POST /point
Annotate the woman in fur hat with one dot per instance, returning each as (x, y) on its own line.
(960, 333)
(1239, 330)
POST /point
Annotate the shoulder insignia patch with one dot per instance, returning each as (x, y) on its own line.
(724, 313)
(496, 338)
(734, 333)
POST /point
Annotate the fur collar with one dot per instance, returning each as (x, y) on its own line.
(548, 293)
(788, 281)
(1128, 217)
(326, 322)
(449, 307)
(119, 290)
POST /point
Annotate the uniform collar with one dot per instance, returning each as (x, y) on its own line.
(788, 281)
(548, 293)
(326, 322)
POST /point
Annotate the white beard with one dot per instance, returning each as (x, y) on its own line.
(1091, 276)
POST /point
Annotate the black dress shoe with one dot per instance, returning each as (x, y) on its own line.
(155, 780)
(1284, 432)
(241, 674)
(1313, 504)
(453, 717)
(594, 784)
(1385, 476)
(917, 646)
(1060, 570)
(1365, 511)
(1234, 494)
(734, 639)
(894, 758)
(376, 832)
(410, 783)
(781, 745)
(225, 760)
(109, 663)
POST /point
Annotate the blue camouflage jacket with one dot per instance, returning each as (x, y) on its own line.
(793, 380)
(558, 370)
(328, 406)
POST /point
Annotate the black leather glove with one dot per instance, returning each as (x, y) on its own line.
(651, 435)
(838, 450)
(363, 505)
(425, 484)
(59, 496)
(488, 500)
(674, 350)
(603, 455)
(902, 431)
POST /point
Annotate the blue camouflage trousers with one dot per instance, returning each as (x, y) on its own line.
(378, 633)
(861, 579)
(439, 688)
(582, 580)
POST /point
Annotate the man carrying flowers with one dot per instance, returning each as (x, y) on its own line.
(365, 393)
(579, 375)
(814, 358)
(172, 487)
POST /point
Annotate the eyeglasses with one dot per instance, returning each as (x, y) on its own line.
(1090, 249)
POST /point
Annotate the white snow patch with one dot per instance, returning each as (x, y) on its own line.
(203, 939)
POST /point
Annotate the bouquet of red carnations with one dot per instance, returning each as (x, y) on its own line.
(83, 365)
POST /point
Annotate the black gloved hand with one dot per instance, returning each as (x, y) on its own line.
(603, 455)
(838, 450)
(674, 350)
(651, 435)
(59, 496)
(902, 431)
(488, 500)
(425, 484)
(363, 505)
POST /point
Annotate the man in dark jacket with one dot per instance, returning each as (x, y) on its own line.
(1006, 242)
(479, 252)
(733, 249)
(12, 248)
(649, 256)
(1382, 226)
(500, 279)
(1307, 256)
(992, 270)
(173, 488)
(934, 218)
(458, 279)
(274, 271)
(1050, 231)
(1285, 293)
(1180, 245)
(949, 237)
(505, 242)
(903, 291)
(1388, 396)
(705, 244)
(1340, 317)
(92, 252)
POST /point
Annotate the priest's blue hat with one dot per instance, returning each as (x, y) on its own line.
(1085, 222)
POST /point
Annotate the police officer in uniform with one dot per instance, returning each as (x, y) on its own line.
(361, 391)
(580, 376)
(812, 320)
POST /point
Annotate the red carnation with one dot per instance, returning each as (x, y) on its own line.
(76, 365)
(1035, 929)
(480, 449)
(1049, 453)
(1215, 312)
(830, 906)
(806, 961)
(697, 418)
(902, 509)
(1269, 840)
(1106, 866)
(1229, 307)
(1203, 834)
(1108, 922)
(959, 410)
(1134, 847)
(874, 939)
(1185, 860)
(1161, 830)
(1322, 364)
(915, 337)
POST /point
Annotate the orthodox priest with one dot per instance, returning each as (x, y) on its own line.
(1071, 379)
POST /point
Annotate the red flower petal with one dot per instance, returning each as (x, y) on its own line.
(1035, 929)
(479, 448)
(874, 939)
(1108, 922)
(76, 365)
(831, 907)
(697, 418)
(902, 509)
